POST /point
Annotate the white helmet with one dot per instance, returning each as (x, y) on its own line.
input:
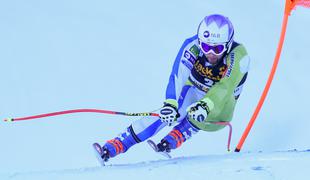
(215, 29)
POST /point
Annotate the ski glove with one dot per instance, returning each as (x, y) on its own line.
(169, 114)
(198, 111)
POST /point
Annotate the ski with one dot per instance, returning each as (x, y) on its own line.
(98, 152)
(155, 148)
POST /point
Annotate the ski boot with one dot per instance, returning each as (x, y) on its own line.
(161, 148)
(101, 153)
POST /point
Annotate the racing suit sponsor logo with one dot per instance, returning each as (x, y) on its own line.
(166, 111)
(189, 57)
(231, 66)
(204, 75)
(187, 64)
(199, 85)
(195, 50)
(206, 71)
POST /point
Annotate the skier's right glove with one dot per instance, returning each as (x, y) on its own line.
(169, 113)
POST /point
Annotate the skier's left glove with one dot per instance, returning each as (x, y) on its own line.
(198, 111)
(169, 113)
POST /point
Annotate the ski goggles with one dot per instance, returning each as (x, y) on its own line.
(216, 49)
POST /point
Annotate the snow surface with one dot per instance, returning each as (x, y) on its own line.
(117, 55)
(276, 165)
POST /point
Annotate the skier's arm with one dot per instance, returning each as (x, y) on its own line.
(238, 63)
(181, 69)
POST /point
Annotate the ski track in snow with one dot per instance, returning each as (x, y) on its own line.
(246, 165)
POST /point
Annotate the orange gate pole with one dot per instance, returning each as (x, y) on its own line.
(290, 4)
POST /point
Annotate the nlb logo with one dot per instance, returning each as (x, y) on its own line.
(207, 34)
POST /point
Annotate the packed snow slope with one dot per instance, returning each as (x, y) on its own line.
(117, 55)
(266, 166)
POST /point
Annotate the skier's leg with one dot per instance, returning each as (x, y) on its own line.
(146, 127)
(137, 132)
(179, 134)
(184, 130)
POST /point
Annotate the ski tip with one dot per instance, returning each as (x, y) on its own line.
(98, 151)
(153, 145)
(97, 146)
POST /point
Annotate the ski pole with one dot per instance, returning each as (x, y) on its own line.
(80, 111)
(289, 6)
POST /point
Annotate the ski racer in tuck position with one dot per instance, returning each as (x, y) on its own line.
(205, 83)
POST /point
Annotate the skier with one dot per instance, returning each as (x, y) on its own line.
(205, 83)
